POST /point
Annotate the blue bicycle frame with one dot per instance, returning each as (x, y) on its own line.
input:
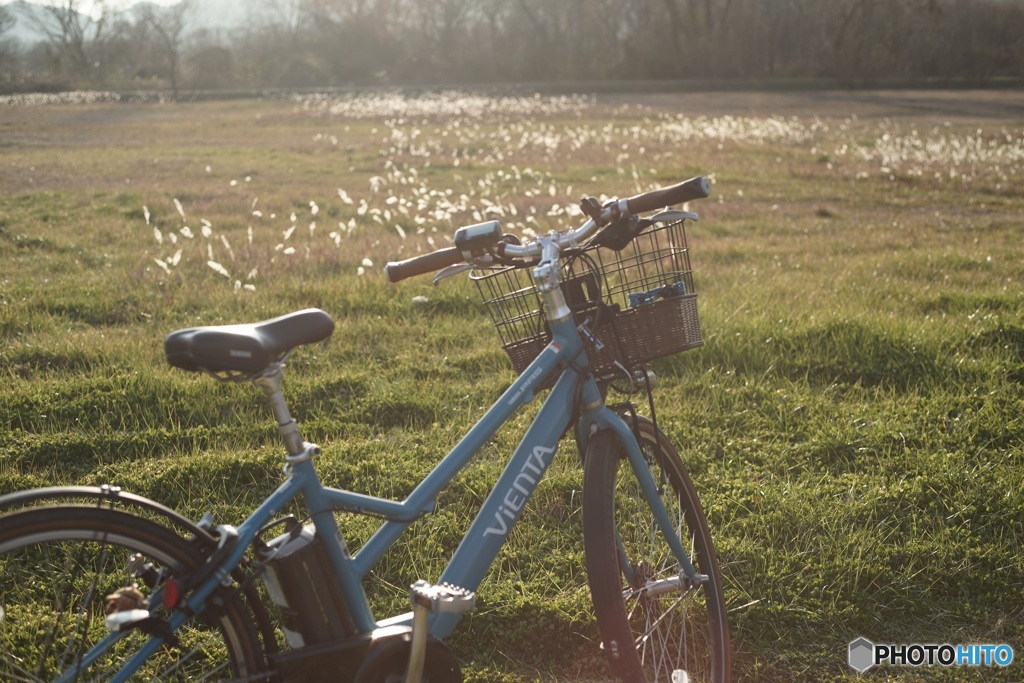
(574, 391)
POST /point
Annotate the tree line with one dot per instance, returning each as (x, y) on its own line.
(325, 43)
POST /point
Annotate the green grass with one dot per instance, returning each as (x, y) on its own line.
(853, 423)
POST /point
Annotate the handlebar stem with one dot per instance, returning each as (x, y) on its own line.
(547, 275)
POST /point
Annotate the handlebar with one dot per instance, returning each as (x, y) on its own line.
(421, 265)
(688, 190)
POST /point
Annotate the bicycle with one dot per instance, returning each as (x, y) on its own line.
(101, 584)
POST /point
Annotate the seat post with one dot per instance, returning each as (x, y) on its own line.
(270, 381)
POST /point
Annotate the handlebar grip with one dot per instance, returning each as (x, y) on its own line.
(694, 188)
(419, 265)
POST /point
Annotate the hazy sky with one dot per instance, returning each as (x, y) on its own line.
(89, 6)
(204, 12)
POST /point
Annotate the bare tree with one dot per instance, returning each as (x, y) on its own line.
(211, 66)
(291, 17)
(983, 39)
(6, 50)
(168, 25)
(442, 37)
(6, 20)
(706, 37)
(287, 27)
(363, 41)
(73, 34)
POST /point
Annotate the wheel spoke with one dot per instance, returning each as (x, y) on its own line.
(678, 632)
(58, 564)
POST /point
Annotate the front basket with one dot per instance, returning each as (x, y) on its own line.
(639, 301)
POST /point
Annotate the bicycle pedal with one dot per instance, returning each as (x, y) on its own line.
(124, 620)
(444, 598)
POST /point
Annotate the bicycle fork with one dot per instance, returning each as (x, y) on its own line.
(607, 419)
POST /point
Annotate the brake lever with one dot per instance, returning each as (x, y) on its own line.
(452, 270)
(673, 215)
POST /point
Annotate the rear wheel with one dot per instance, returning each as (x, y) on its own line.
(58, 564)
(654, 627)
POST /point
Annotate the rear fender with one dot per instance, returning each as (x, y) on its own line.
(114, 498)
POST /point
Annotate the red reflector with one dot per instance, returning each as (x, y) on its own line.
(171, 594)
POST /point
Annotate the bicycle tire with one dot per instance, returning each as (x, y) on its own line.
(650, 637)
(58, 564)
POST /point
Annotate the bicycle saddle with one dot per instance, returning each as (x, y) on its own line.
(245, 348)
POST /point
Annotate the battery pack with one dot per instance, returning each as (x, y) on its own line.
(301, 582)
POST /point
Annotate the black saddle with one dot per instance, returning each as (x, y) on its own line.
(245, 348)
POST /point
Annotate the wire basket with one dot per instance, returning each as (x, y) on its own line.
(639, 302)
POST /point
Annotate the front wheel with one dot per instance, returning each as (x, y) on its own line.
(653, 625)
(58, 564)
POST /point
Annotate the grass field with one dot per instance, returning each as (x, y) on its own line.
(854, 423)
